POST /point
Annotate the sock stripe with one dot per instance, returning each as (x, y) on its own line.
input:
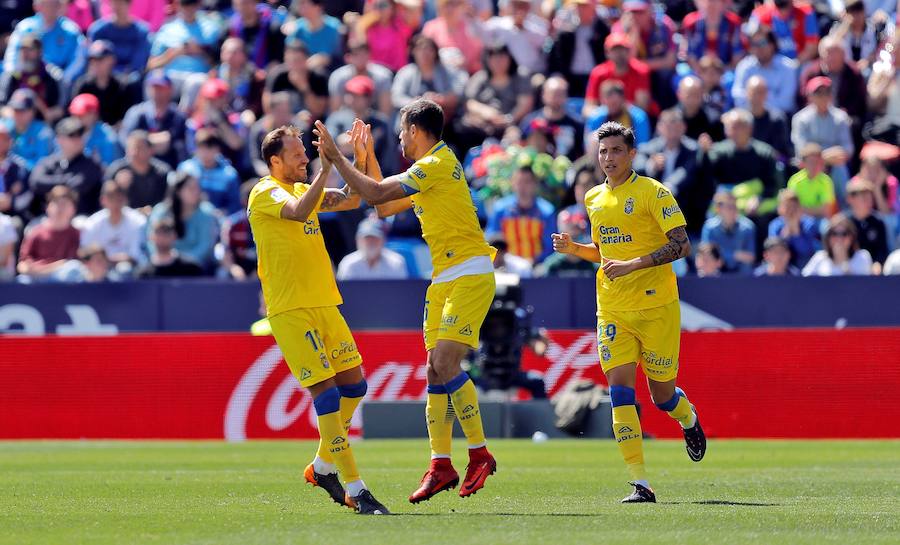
(457, 382)
(354, 390)
(328, 401)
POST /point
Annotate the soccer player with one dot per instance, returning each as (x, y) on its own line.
(302, 298)
(637, 229)
(462, 287)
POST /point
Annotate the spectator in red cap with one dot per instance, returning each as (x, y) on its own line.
(822, 123)
(100, 141)
(211, 111)
(31, 73)
(653, 35)
(360, 63)
(623, 66)
(114, 94)
(359, 99)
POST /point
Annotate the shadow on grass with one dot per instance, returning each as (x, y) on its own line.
(722, 502)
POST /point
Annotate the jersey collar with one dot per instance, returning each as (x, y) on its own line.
(631, 179)
(435, 148)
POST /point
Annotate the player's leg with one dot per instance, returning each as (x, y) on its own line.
(619, 351)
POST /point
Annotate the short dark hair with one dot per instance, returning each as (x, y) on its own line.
(140, 135)
(614, 128)
(273, 143)
(425, 114)
(63, 192)
(207, 137)
(711, 249)
(111, 187)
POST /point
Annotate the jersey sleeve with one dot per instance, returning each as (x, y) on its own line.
(421, 175)
(269, 199)
(665, 209)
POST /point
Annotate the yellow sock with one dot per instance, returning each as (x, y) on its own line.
(683, 412)
(351, 397)
(627, 429)
(465, 405)
(331, 433)
(439, 416)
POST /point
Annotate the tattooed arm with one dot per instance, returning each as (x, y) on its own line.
(677, 247)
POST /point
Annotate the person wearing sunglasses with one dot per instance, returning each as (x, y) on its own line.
(841, 255)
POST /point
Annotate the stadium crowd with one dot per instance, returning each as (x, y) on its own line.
(130, 130)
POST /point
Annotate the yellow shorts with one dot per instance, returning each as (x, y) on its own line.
(316, 343)
(455, 310)
(652, 336)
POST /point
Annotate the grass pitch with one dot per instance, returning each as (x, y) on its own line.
(556, 492)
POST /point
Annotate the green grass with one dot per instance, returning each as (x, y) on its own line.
(557, 492)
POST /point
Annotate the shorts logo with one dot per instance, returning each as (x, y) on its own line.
(625, 429)
(662, 193)
(629, 205)
(338, 440)
(323, 360)
(605, 353)
(305, 373)
(466, 330)
(346, 348)
(449, 320)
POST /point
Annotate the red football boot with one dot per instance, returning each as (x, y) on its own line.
(439, 477)
(481, 466)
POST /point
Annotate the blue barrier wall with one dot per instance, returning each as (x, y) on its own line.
(203, 305)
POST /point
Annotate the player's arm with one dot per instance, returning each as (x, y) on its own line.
(339, 200)
(678, 246)
(563, 243)
(373, 170)
(300, 209)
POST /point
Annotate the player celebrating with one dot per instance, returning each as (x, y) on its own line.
(462, 287)
(637, 230)
(302, 298)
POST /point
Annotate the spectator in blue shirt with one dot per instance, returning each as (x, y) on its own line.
(130, 38)
(799, 230)
(218, 179)
(778, 71)
(187, 44)
(196, 221)
(62, 39)
(615, 108)
(32, 139)
(101, 142)
(320, 32)
(734, 234)
(525, 220)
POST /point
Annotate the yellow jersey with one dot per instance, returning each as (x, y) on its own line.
(632, 221)
(443, 204)
(293, 264)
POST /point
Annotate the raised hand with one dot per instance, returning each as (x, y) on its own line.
(370, 141)
(357, 140)
(325, 144)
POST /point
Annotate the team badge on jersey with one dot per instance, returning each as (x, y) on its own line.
(629, 205)
(278, 194)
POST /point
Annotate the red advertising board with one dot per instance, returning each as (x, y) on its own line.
(787, 384)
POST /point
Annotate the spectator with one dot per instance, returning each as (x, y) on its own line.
(794, 25)
(577, 212)
(779, 72)
(218, 179)
(92, 266)
(62, 39)
(245, 81)
(387, 29)
(9, 235)
(823, 124)
(708, 260)
(164, 124)
(733, 234)
(813, 187)
(359, 63)
(496, 98)
(883, 92)
(742, 163)
(697, 120)
(716, 99)
(279, 115)
(506, 262)
(871, 233)
(525, 220)
(239, 261)
(213, 112)
(151, 12)
(116, 229)
(567, 128)
(69, 167)
(49, 245)
(31, 138)
(799, 230)
(712, 30)
(623, 66)
(523, 32)
(14, 191)
(887, 196)
(576, 51)
(848, 84)
(652, 33)
(100, 141)
(567, 265)
(319, 32)
(842, 255)
(371, 260)
(428, 77)
(308, 88)
(81, 12)
(259, 29)
(167, 261)
(142, 176)
(672, 158)
(776, 259)
(114, 96)
(615, 107)
(196, 226)
(769, 125)
(186, 45)
(358, 103)
(33, 75)
(128, 37)
(857, 34)
(454, 28)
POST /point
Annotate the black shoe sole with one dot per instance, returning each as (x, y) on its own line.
(449, 486)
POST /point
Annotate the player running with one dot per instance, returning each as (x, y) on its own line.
(462, 287)
(637, 230)
(302, 298)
